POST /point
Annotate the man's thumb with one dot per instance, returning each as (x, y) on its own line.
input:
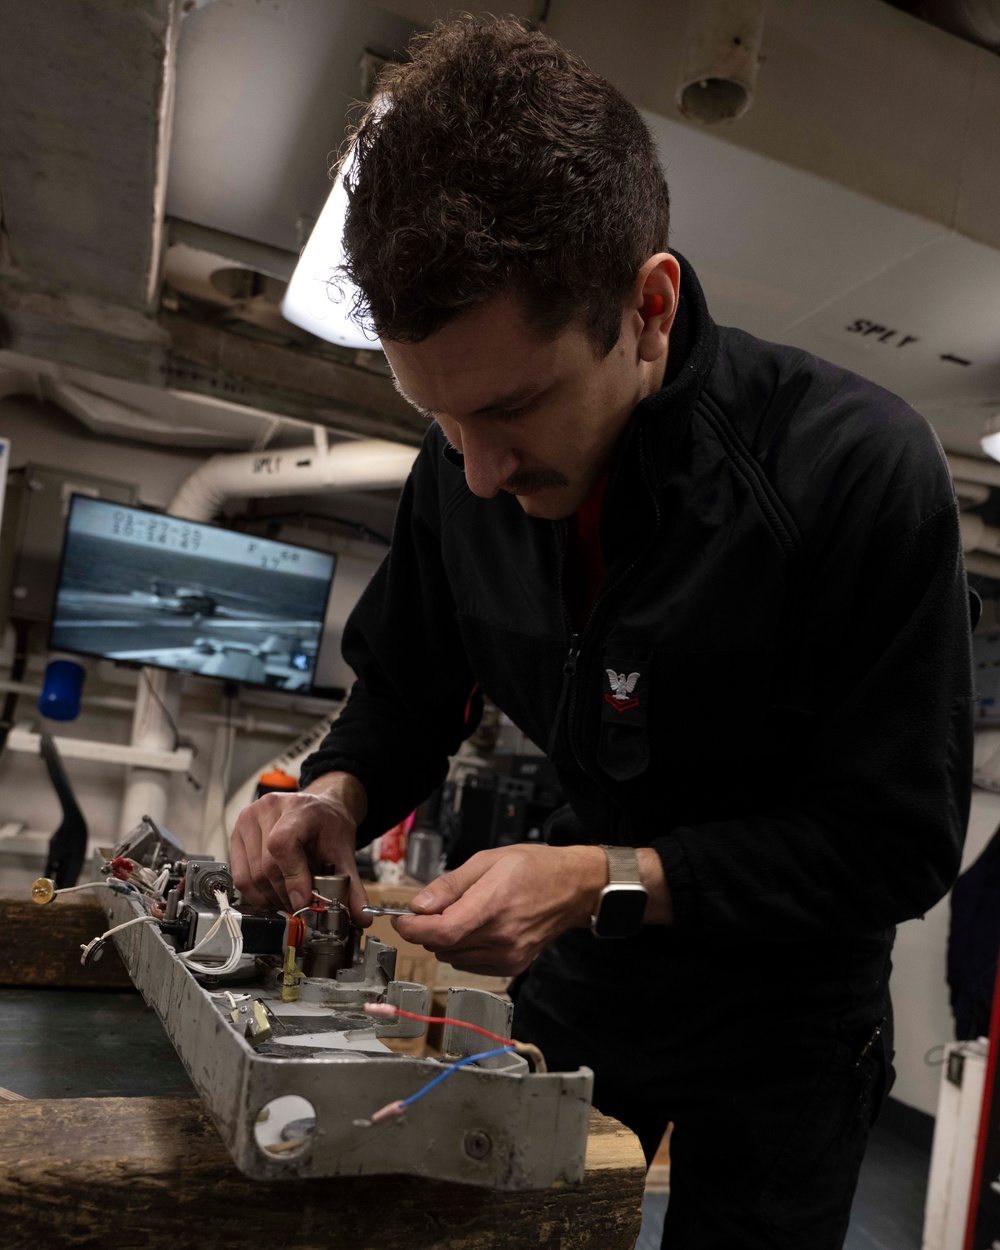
(442, 892)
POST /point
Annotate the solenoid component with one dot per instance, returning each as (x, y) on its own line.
(202, 877)
(332, 940)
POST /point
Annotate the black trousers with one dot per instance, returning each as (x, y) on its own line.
(771, 1062)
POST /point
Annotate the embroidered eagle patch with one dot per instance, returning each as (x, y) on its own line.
(622, 686)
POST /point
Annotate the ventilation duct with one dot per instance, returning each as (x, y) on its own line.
(719, 66)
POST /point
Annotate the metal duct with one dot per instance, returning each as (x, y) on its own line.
(720, 57)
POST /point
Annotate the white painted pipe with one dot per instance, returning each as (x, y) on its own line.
(147, 789)
(364, 464)
(720, 58)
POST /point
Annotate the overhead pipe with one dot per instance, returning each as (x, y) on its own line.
(721, 53)
(362, 464)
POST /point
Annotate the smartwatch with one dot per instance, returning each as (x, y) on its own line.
(622, 903)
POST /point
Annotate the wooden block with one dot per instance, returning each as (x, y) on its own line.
(136, 1172)
(41, 945)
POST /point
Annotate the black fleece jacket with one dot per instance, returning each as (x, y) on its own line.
(785, 577)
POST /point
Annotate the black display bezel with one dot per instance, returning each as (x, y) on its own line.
(171, 668)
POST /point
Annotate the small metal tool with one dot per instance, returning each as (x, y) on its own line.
(387, 911)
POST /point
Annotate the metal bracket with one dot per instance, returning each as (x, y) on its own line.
(494, 1124)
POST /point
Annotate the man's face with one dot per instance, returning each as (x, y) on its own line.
(537, 417)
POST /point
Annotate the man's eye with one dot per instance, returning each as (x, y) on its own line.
(508, 414)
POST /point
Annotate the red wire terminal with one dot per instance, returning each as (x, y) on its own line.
(122, 867)
(390, 1012)
(391, 1111)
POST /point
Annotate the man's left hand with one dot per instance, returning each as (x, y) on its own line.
(495, 912)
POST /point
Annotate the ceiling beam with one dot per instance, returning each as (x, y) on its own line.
(85, 107)
(177, 351)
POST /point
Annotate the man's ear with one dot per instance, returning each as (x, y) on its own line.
(655, 293)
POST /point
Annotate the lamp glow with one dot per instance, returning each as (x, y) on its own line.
(317, 299)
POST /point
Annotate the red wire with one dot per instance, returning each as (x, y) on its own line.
(412, 1015)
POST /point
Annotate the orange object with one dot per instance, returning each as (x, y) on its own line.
(278, 779)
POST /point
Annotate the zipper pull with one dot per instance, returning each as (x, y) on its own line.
(569, 667)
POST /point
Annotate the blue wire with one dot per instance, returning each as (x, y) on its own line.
(486, 1054)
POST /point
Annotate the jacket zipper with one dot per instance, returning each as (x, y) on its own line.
(571, 663)
(573, 651)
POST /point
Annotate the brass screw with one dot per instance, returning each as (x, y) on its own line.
(43, 890)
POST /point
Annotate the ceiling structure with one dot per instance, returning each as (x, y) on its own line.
(154, 200)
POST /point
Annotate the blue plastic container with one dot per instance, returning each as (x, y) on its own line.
(60, 697)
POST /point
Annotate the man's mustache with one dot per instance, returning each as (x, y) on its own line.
(528, 480)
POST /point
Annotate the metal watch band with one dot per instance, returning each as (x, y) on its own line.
(623, 865)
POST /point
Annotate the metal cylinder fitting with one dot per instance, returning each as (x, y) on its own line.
(336, 887)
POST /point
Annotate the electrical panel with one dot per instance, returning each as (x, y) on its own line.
(34, 520)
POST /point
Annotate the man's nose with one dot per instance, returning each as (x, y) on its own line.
(488, 464)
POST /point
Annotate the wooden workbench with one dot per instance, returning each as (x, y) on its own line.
(134, 1172)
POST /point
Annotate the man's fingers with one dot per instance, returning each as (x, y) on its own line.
(284, 860)
(450, 886)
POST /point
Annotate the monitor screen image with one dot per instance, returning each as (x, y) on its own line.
(145, 588)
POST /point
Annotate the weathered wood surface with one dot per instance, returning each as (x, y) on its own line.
(136, 1172)
(41, 945)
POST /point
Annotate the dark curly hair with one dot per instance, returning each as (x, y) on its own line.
(493, 161)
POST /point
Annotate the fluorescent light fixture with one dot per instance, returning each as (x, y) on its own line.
(990, 441)
(317, 299)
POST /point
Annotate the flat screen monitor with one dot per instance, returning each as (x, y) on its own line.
(144, 588)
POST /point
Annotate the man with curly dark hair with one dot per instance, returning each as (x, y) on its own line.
(719, 581)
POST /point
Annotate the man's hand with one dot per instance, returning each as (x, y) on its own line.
(281, 840)
(494, 913)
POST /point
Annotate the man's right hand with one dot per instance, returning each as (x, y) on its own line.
(281, 840)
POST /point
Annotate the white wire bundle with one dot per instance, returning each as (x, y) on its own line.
(232, 920)
(144, 879)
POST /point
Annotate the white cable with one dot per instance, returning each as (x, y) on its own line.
(138, 920)
(233, 922)
(93, 948)
(161, 881)
(69, 889)
(310, 906)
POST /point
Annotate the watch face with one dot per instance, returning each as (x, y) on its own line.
(620, 911)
